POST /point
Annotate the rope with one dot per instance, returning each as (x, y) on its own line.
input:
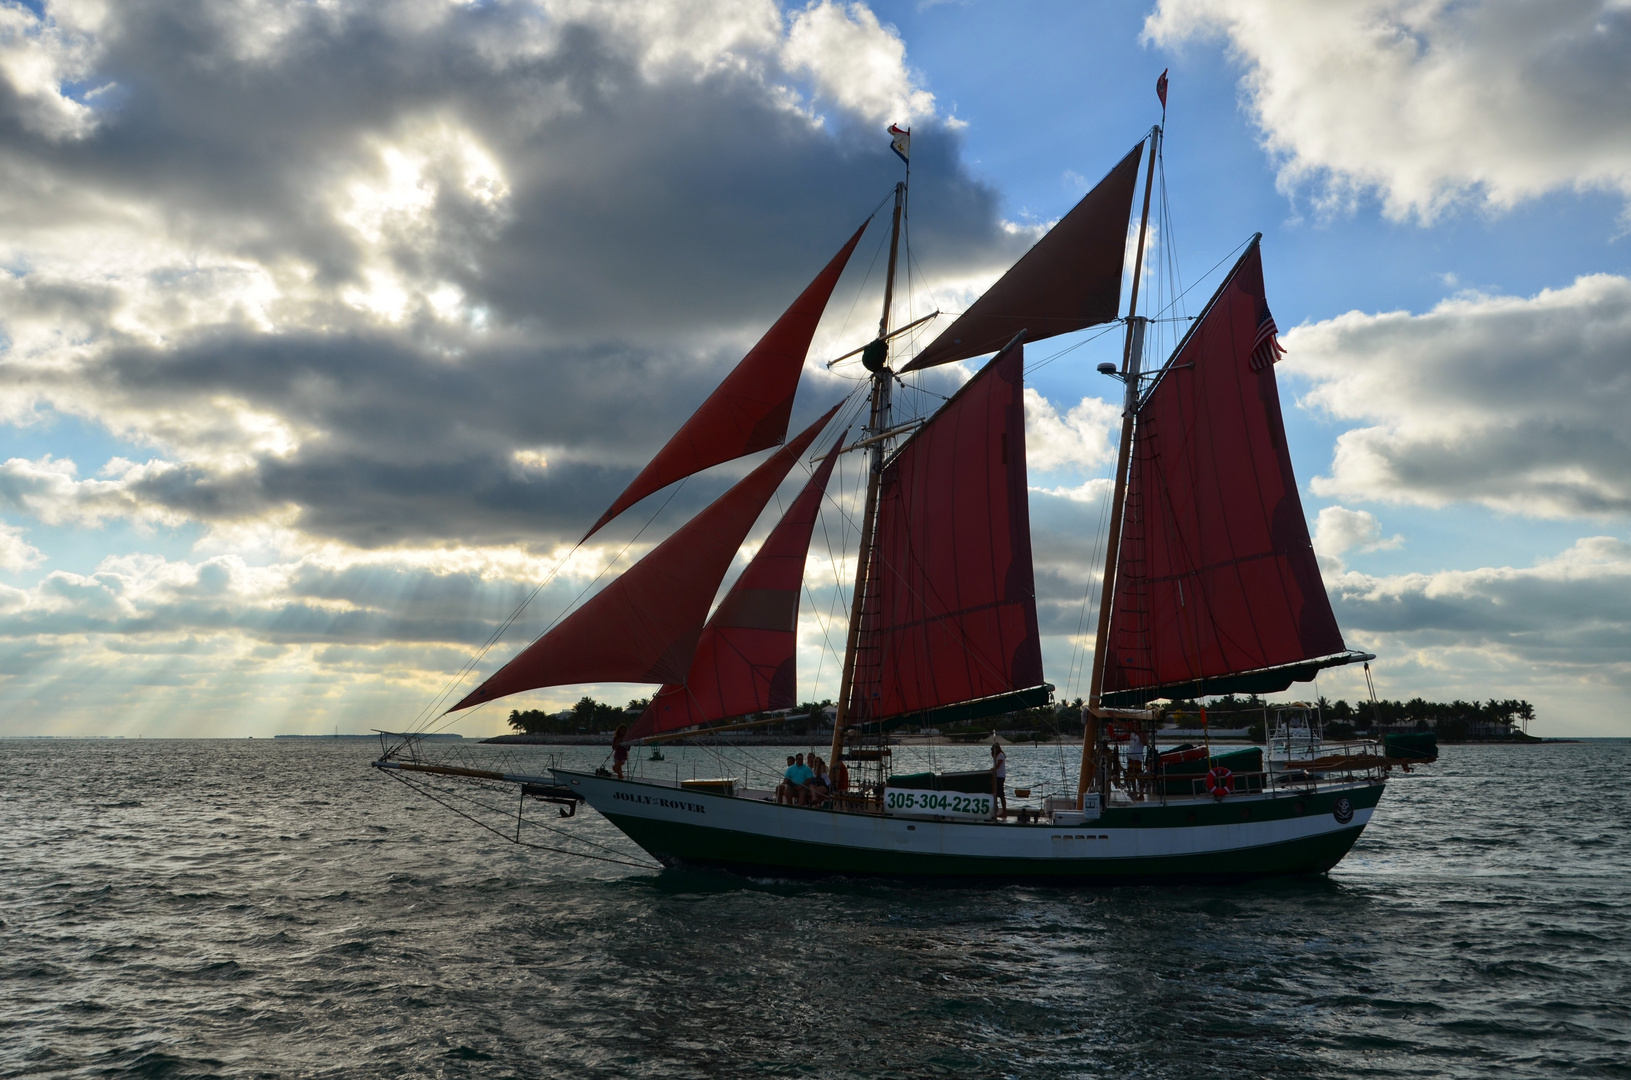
(622, 861)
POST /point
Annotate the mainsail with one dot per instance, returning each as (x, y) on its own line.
(644, 626)
(1217, 589)
(950, 611)
(744, 661)
(749, 410)
(1070, 280)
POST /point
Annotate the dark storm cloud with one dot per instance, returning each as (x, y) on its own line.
(644, 218)
(413, 446)
(635, 206)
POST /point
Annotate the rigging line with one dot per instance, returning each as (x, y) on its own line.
(420, 784)
(826, 637)
(859, 289)
(516, 614)
(1046, 360)
(911, 261)
(1179, 298)
(1095, 584)
(838, 577)
(507, 838)
(1078, 652)
(428, 712)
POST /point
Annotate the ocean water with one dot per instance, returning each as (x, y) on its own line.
(279, 909)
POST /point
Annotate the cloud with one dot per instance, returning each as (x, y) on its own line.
(1428, 103)
(1563, 620)
(1515, 403)
(857, 62)
(1338, 530)
(49, 490)
(17, 554)
(1079, 440)
(346, 263)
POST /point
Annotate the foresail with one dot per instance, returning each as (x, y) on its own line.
(750, 409)
(950, 610)
(1217, 589)
(1069, 280)
(744, 662)
(644, 626)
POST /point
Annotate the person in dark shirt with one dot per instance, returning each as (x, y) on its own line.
(820, 784)
(620, 750)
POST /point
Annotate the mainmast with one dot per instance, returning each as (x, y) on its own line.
(875, 357)
(1131, 363)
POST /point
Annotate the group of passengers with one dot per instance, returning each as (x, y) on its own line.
(809, 783)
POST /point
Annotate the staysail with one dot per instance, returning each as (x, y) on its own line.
(744, 661)
(644, 626)
(749, 410)
(950, 611)
(1217, 589)
(1069, 280)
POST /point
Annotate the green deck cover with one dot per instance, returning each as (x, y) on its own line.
(969, 783)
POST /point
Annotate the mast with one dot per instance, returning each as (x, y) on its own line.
(876, 359)
(1131, 360)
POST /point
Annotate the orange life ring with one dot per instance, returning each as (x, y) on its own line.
(1220, 782)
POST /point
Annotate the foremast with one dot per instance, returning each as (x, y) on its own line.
(875, 358)
(1131, 363)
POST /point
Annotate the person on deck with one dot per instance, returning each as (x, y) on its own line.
(1135, 764)
(820, 786)
(1111, 735)
(839, 776)
(999, 778)
(784, 790)
(799, 777)
(620, 750)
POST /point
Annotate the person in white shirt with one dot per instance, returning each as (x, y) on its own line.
(1135, 764)
(999, 778)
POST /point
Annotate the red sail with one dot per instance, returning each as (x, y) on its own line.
(749, 410)
(1217, 578)
(951, 606)
(644, 626)
(1071, 278)
(744, 662)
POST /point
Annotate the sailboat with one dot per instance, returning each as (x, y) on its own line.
(1210, 586)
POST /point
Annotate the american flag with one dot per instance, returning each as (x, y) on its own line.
(1266, 348)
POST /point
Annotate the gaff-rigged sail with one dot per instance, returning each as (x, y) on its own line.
(749, 410)
(744, 661)
(644, 626)
(1070, 280)
(1217, 589)
(950, 611)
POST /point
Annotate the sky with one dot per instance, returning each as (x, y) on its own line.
(326, 328)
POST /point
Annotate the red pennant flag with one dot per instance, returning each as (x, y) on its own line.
(1161, 89)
